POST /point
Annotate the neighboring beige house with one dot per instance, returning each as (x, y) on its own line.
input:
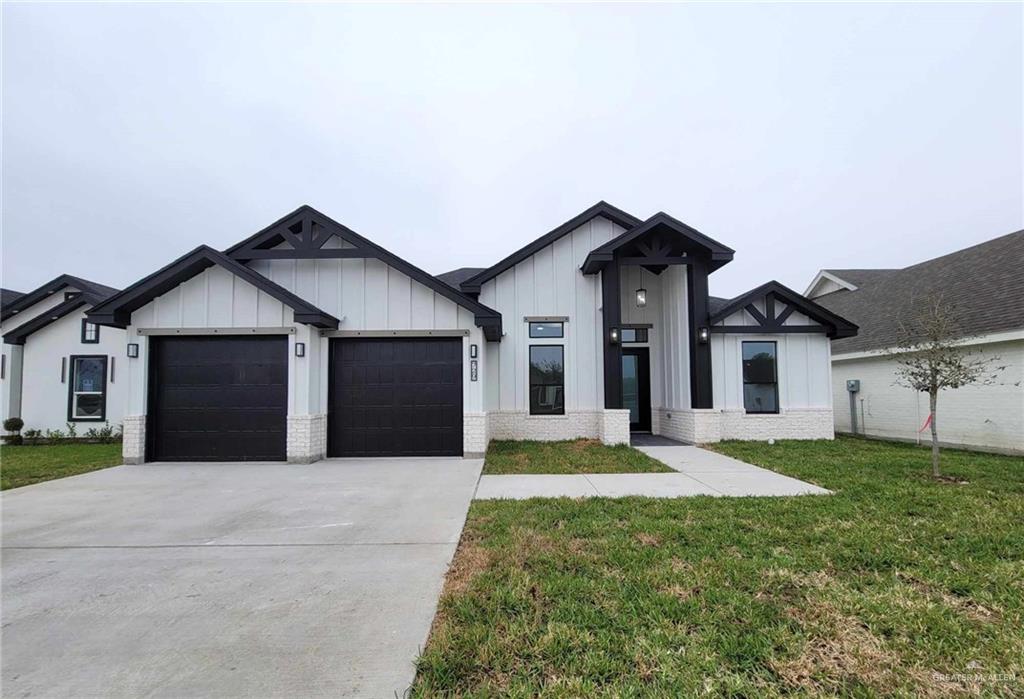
(986, 284)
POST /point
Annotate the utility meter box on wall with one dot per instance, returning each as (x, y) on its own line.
(853, 385)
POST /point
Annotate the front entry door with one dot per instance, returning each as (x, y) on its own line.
(636, 387)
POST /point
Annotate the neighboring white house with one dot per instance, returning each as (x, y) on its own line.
(57, 367)
(306, 339)
(985, 283)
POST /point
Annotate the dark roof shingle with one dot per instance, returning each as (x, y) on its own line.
(457, 276)
(984, 283)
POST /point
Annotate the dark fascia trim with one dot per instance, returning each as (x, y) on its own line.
(836, 326)
(21, 333)
(486, 318)
(719, 254)
(26, 301)
(117, 310)
(601, 208)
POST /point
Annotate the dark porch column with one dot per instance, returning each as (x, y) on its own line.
(611, 313)
(700, 355)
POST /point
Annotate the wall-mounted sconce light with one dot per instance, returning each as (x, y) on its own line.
(703, 335)
(641, 297)
(613, 336)
(300, 349)
(133, 349)
(473, 351)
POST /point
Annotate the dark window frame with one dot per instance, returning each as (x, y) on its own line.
(531, 384)
(775, 371)
(71, 388)
(559, 336)
(85, 339)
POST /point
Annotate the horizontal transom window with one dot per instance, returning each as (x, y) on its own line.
(546, 330)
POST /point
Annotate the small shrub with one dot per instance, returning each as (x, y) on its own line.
(12, 439)
(72, 430)
(54, 434)
(14, 424)
(103, 435)
(33, 436)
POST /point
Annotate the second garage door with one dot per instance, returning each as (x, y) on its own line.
(218, 398)
(395, 397)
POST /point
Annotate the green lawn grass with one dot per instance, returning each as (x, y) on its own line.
(896, 585)
(574, 456)
(27, 465)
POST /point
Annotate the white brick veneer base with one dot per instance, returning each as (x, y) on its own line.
(705, 426)
(789, 424)
(133, 446)
(545, 428)
(474, 435)
(307, 438)
(615, 426)
(694, 426)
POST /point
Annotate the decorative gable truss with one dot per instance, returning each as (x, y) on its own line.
(305, 233)
(771, 305)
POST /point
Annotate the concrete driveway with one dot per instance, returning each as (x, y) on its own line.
(224, 580)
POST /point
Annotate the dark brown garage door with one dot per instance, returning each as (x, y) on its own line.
(217, 398)
(395, 397)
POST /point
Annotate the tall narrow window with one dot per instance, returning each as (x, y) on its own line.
(87, 398)
(547, 380)
(90, 332)
(760, 378)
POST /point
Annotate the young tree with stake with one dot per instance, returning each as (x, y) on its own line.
(931, 356)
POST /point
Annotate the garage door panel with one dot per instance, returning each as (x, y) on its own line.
(218, 398)
(395, 396)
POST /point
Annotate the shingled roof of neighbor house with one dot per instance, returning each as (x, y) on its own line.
(9, 295)
(984, 283)
(455, 277)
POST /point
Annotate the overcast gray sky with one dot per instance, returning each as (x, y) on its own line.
(803, 136)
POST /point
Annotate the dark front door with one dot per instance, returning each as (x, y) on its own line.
(636, 387)
(395, 397)
(217, 398)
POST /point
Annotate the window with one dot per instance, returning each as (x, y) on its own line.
(634, 335)
(90, 332)
(760, 380)
(546, 330)
(87, 397)
(547, 380)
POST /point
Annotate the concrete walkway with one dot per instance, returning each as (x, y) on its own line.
(699, 472)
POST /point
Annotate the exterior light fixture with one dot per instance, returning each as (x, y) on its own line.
(300, 349)
(641, 297)
(613, 336)
(133, 349)
(703, 334)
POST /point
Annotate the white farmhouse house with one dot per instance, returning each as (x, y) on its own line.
(985, 284)
(57, 367)
(307, 340)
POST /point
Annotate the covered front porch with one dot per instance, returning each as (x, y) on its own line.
(655, 314)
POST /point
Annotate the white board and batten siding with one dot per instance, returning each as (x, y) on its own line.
(365, 294)
(803, 361)
(550, 283)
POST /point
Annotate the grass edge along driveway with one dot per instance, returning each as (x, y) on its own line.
(894, 585)
(507, 457)
(25, 465)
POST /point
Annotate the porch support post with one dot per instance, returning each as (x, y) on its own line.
(611, 314)
(700, 354)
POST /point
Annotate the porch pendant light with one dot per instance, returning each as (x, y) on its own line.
(641, 297)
